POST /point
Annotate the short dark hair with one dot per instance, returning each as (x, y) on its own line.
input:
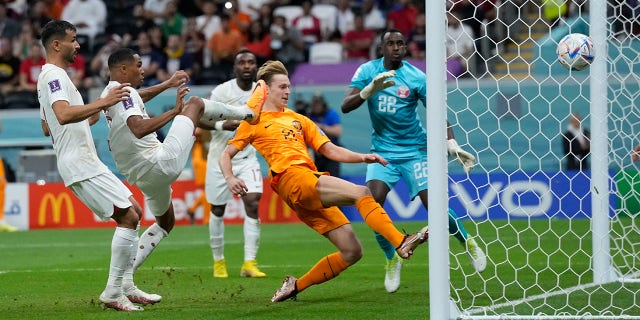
(120, 56)
(392, 30)
(55, 30)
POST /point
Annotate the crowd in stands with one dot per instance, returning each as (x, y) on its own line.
(201, 36)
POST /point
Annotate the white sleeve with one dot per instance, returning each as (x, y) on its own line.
(58, 86)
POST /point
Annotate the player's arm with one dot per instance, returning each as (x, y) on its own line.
(66, 113)
(227, 125)
(94, 118)
(354, 97)
(235, 185)
(465, 158)
(340, 154)
(179, 78)
(141, 127)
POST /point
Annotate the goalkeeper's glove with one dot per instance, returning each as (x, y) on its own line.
(378, 83)
(465, 158)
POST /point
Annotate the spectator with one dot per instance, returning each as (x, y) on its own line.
(23, 40)
(38, 15)
(469, 14)
(194, 45)
(9, 27)
(358, 41)
(328, 120)
(158, 41)
(403, 17)
(209, 22)
(576, 144)
(76, 72)
(53, 8)
(9, 67)
(141, 23)
(174, 22)
(459, 43)
(345, 17)
(308, 25)
(373, 17)
(151, 59)
(177, 59)
(89, 17)
(266, 16)
(287, 43)
(417, 39)
(156, 10)
(252, 7)
(30, 68)
(239, 20)
(259, 42)
(223, 45)
(98, 68)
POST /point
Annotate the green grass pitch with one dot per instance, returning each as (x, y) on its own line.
(58, 274)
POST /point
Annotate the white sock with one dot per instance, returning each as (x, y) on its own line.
(121, 248)
(251, 238)
(216, 111)
(127, 280)
(216, 237)
(148, 242)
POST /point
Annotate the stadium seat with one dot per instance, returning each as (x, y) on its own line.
(289, 12)
(325, 53)
(327, 13)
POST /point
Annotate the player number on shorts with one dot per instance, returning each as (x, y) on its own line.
(420, 170)
(387, 104)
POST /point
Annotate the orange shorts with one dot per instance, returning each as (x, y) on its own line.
(297, 187)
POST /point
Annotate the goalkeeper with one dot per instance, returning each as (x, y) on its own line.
(392, 88)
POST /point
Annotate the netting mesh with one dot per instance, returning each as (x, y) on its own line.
(530, 208)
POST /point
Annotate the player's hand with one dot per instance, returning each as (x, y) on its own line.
(374, 158)
(378, 83)
(635, 155)
(465, 158)
(179, 78)
(116, 94)
(182, 92)
(237, 186)
(230, 125)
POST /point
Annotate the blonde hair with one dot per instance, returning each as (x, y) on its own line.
(271, 68)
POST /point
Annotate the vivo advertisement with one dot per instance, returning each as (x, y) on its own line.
(560, 195)
(520, 195)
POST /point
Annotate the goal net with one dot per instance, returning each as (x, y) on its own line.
(562, 243)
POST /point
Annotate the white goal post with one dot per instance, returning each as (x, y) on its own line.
(560, 243)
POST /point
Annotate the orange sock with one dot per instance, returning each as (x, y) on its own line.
(378, 220)
(326, 269)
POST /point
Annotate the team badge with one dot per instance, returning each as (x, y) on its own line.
(54, 86)
(128, 104)
(403, 91)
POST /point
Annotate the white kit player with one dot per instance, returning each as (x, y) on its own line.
(146, 162)
(66, 119)
(236, 92)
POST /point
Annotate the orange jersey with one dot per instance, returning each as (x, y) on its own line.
(282, 139)
(198, 163)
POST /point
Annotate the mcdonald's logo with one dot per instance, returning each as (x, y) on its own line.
(54, 203)
(274, 204)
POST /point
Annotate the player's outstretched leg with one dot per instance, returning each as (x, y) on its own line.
(393, 267)
(476, 254)
(216, 111)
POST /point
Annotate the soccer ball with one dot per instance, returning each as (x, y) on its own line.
(575, 51)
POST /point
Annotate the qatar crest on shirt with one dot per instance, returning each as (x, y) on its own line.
(54, 85)
(128, 104)
(403, 91)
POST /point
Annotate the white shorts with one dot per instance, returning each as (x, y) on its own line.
(102, 193)
(170, 160)
(216, 188)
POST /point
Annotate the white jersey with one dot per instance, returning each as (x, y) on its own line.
(230, 93)
(133, 156)
(73, 142)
